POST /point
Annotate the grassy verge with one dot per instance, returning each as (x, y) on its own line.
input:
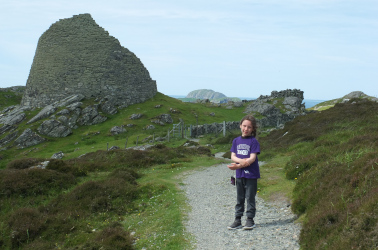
(158, 223)
(274, 187)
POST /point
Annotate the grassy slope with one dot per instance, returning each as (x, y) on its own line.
(87, 139)
(333, 158)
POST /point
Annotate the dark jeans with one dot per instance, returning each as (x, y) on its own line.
(246, 190)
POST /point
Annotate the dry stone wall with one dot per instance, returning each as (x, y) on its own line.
(77, 56)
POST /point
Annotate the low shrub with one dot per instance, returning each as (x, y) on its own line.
(25, 225)
(112, 237)
(333, 156)
(33, 182)
(125, 174)
(64, 167)
(24, 163)
(113, 194)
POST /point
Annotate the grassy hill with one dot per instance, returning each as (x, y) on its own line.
(331, 103)
(324, 162)
(333, 158)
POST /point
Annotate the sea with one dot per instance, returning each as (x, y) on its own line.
(309, 103)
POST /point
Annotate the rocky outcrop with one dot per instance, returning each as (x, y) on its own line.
(8, 138)
(77, 56)
(44, 113)
(13, 115)
(62, 116)
(91, 116)
(28, 138)
(53, 128)
(278, 108)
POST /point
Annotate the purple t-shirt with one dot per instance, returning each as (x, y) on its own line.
(243, 147)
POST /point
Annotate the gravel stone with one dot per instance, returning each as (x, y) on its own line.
(212, 199)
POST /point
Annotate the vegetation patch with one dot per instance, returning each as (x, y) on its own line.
(85, 202)
(333, 159)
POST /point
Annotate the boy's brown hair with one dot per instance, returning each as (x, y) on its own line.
(253, 122)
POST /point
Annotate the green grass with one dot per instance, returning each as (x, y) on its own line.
(8, 98)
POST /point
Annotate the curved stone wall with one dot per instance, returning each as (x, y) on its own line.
(77, 56)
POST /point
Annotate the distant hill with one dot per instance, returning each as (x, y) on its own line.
(329, 104)
(205, 94)
(208, 94)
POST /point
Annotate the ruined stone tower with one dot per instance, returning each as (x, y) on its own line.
(77, 56)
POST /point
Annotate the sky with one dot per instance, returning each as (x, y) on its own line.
(241, 48)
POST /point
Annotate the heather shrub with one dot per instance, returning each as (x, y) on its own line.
(136, 159)
(33, 182)
(24, 163)
(333, 157)
(125, 174)
(110, 195)
(25, 225)
(64, 167)
(112, 237)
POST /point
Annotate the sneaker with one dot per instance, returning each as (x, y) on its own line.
(236, 225)
(249, 224)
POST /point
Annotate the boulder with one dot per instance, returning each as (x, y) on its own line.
(148, 127)
(163, 119)
(44, 113)
(91, 116)
(28, 138)
(13, 115)
(117, 130)
(58, 155)
(135, 116)
(114, 148)
(238, 104)
(54, 128)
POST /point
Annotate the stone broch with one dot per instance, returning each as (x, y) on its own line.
(77, 56)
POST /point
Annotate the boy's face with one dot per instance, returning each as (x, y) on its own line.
(246, 128)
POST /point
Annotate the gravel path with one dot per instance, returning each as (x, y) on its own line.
(212, 199)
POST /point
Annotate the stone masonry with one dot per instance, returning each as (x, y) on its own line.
(77, 56)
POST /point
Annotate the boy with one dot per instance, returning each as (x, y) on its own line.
(244, 151)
